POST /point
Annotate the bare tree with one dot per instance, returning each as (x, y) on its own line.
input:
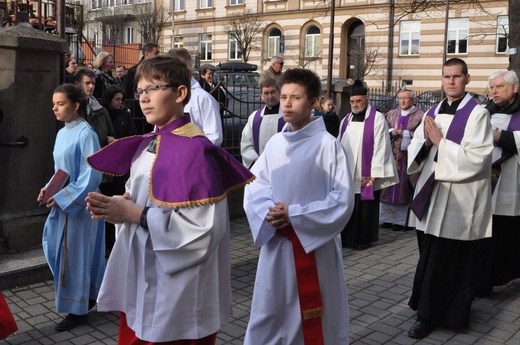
(112, 28)
(366, 59)
(245, 30)
(151, 20)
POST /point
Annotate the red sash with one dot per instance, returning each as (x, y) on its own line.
(7, 324)
(308, 289)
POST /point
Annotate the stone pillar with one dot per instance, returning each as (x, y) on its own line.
(341, 96)
(29, 72)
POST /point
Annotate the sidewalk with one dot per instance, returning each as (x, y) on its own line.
(379, 281)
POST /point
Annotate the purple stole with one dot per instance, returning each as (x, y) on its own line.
(514, 125)
(257, 121)
(394, 192)
(367, 152)
(187, 170)
(421, 201)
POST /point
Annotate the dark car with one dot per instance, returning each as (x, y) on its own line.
(240, 84)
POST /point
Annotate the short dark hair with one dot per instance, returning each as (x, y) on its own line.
(68, 59)
(148, 47)
(304, 77)
(76, 95)
(167, 68)
(203, 69)
(109, 94)
(268, 82)
(84, 72)
(183, 54)
(455, 62)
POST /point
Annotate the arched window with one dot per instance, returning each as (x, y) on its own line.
(273, 42)
(312, 41)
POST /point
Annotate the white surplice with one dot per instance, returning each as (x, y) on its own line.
(268, 128)
(383, 165)
(205, 113)
(173, 280)
(506, 197)
(460, 206)
(307, 170)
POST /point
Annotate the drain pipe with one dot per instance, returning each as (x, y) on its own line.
(390, 47)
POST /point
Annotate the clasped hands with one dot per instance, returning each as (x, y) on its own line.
(278, 215)
(432, 133)
(396, 133)
(113, 209)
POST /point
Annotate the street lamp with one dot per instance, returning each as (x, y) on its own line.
(445, 39)
(331, 47)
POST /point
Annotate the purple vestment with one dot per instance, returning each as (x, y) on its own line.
(401, 193)
(198, 172)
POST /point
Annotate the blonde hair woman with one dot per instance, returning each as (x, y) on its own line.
(103, 65)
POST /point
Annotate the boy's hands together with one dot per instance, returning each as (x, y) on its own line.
(114, 209)
(278, 215)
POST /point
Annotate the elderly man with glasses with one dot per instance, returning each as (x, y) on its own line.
(274, 71)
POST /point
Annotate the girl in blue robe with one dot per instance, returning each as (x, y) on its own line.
(74, 243)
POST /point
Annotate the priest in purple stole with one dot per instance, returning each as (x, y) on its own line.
(501, 254)
(402, 121)
(364, 136)
(262, 124)
(452, 203)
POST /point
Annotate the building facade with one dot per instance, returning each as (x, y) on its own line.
(379, 41)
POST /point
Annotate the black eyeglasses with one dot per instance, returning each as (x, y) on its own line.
(151, 89)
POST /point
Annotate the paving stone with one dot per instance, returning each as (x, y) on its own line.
(378, 281)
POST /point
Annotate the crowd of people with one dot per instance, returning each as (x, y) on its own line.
(155, 204)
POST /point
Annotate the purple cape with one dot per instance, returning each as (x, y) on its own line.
(189, 170)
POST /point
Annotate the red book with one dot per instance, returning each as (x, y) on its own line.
(58, 181)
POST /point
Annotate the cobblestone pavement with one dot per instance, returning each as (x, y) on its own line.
(379, 282)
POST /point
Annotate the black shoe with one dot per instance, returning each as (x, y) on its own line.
(386, 225)
(420, 330)
(363, 246)
(91, 304)
(71, 321)
(397, 227)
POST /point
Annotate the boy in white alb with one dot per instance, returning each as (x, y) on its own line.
(298, 205)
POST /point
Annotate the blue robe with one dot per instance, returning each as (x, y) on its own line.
(83, 264)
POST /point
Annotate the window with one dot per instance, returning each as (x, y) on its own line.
(95, 37)
(458, 30)
(236, 2)
(312, 42)
(205, 47)
(178, 5)
(502, 34)
(97, 4)
(273, 42)
(129, 35)
(235, 53)
(409, 38)
(206, 3)
(178, 42)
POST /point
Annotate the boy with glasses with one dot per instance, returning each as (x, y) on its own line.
(169, 271)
